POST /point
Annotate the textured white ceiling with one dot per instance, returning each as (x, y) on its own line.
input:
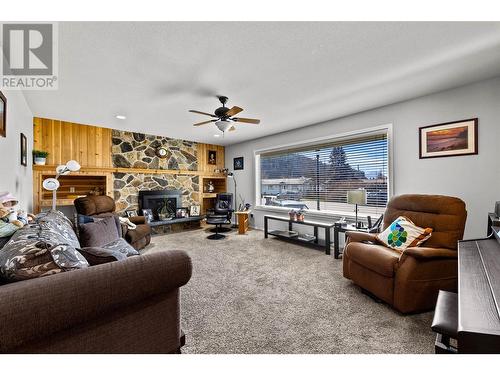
(288, 74)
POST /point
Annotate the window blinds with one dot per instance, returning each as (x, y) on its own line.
(318, 176)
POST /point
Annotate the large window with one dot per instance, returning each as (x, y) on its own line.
(318, 176)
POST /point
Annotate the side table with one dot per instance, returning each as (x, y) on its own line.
(342, 228)
(243, 221)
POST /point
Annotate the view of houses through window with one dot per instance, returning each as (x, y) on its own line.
(318, 177)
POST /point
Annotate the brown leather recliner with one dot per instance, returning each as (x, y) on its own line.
(409, 281)
(102, 206)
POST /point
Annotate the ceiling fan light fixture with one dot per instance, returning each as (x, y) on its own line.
(223, 125)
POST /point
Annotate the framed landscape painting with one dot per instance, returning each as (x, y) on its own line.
(449, 139)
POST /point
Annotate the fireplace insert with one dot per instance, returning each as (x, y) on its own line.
(163, 203)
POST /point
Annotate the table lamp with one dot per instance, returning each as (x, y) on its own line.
(52, 184)
(356, 197)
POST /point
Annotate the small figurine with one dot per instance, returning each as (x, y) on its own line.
(210, 187)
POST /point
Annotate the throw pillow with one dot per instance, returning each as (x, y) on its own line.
(40, 249)
(101, 255)
(122, 246)
(403, 233)
(98, 233)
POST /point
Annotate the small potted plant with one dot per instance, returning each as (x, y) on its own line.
(293, 214)
(300, 215)
(40, 157)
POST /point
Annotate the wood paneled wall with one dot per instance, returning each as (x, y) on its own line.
(89, 145)
(203, 165)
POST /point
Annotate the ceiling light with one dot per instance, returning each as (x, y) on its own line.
(121, 117)
(217, 135)
(223, 125)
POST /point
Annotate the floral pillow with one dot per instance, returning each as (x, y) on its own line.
(403, 233)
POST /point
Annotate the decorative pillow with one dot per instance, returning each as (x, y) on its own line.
(403, 233)
(101, 255)
(122, 246)
(98, 233)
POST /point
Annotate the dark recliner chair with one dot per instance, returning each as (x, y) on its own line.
(223, 209)
(104, 206)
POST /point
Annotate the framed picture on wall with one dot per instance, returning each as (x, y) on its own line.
(455, 138)
(3, 115)
(238, 163)
(212, 157)
(24, 150)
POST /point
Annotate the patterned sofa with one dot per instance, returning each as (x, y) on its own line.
(52, 301)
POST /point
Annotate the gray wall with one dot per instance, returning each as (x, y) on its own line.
(13, 176)
(475, 179)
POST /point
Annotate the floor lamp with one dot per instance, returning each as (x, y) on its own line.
(232, 176)
(52, 184)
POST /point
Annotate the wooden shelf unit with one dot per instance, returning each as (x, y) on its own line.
(71, 186)
(208, 199)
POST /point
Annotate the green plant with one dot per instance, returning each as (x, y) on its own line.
(40, 154)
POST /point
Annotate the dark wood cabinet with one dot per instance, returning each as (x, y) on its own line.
(479, 295)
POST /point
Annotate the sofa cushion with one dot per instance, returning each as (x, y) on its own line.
(403, 233)
(98, 233)
(377, 258)
(43, 248)
(100, 255)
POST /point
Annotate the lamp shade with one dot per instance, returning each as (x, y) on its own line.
(73, 165)
(223, 125)
(357, 196)
(50, 184)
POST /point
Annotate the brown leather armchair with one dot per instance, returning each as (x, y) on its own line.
(102, 206)
(409, 281)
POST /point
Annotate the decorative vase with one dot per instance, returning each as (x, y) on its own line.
(40, 161)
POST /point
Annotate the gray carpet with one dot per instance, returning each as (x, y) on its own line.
(254, 295)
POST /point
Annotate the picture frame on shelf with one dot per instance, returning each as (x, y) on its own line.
(238, 163)
(24, 150)
(194, 210)
(181, 212)
(212, 157)
(131, 213)
(3, 115)
(148, 214)
(456, 138)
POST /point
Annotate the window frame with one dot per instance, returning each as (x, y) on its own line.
(381, 129)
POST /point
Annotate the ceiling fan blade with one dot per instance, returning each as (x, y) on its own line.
(202, 113)
(247, 120)
(231, 129)
(203, 122)
(233, 111)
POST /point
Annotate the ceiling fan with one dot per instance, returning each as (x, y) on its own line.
(223, 116)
